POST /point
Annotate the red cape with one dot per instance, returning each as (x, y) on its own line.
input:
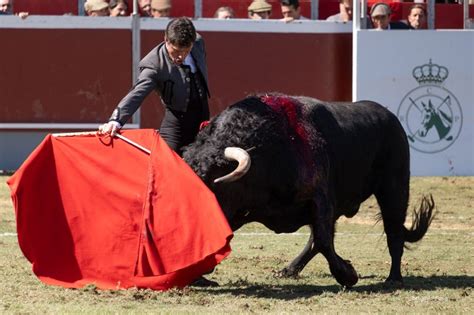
(93, 210)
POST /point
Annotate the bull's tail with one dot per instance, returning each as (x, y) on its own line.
(421, 220)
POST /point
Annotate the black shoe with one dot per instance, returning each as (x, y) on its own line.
(203, 282)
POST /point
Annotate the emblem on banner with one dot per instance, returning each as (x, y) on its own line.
(430, 114)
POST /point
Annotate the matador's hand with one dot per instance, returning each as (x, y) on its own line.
(110, 128)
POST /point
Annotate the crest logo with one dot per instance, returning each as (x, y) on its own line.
(430, 114)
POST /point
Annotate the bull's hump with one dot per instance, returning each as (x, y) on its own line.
(291, 108)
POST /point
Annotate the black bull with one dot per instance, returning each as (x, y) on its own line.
(295, 161)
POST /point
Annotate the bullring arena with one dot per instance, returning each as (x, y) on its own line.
(63, 72)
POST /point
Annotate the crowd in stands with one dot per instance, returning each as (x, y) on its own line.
(380, 13)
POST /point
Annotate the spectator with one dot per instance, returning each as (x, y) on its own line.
(224, 13)
(291, 10)
(96, 8)
(118, 7)
(417, 17)
(345, 12)
(145, 7)
(160, 8)
(259, 10)
(6, 9)
(380, 17)
(177, 70)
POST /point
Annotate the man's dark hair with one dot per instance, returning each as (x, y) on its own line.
(294, 3)
(181, 32)
(114, 3)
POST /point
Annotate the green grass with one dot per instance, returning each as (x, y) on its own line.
(438, 271)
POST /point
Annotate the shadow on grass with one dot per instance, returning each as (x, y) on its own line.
(430, 283)
(295, 291)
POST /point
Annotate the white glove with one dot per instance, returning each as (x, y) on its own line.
(111, 128)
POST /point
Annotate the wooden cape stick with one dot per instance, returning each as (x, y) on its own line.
(94, 133)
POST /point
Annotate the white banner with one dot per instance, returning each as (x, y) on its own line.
(427, 79)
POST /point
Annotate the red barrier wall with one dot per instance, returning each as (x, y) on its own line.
(318, 65)
(46, 7)
(79, 76)
(450, 16)
(62, 76)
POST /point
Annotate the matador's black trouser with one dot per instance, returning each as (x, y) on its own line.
(178, 128)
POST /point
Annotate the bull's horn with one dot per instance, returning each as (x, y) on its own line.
(239, 155)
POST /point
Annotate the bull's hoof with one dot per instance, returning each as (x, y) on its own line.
(347, 276)
(393, 283)
(287, 273)
(203, 282)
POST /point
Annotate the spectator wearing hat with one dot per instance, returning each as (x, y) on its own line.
(224, 13)
(6, 8)
(176, 69)
(291, 10)
(380, 17)
(259, 10)
(145, 8)
(160, 8)
(96, 8)
(118, 7)
(417, 17)
(345, 12)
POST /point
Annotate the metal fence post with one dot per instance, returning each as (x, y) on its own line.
(314, 9)
(431, 8)
(197, 9)
(136, 52)
(363, 15)
(80, 7)
(467, 20)
(356, 21)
